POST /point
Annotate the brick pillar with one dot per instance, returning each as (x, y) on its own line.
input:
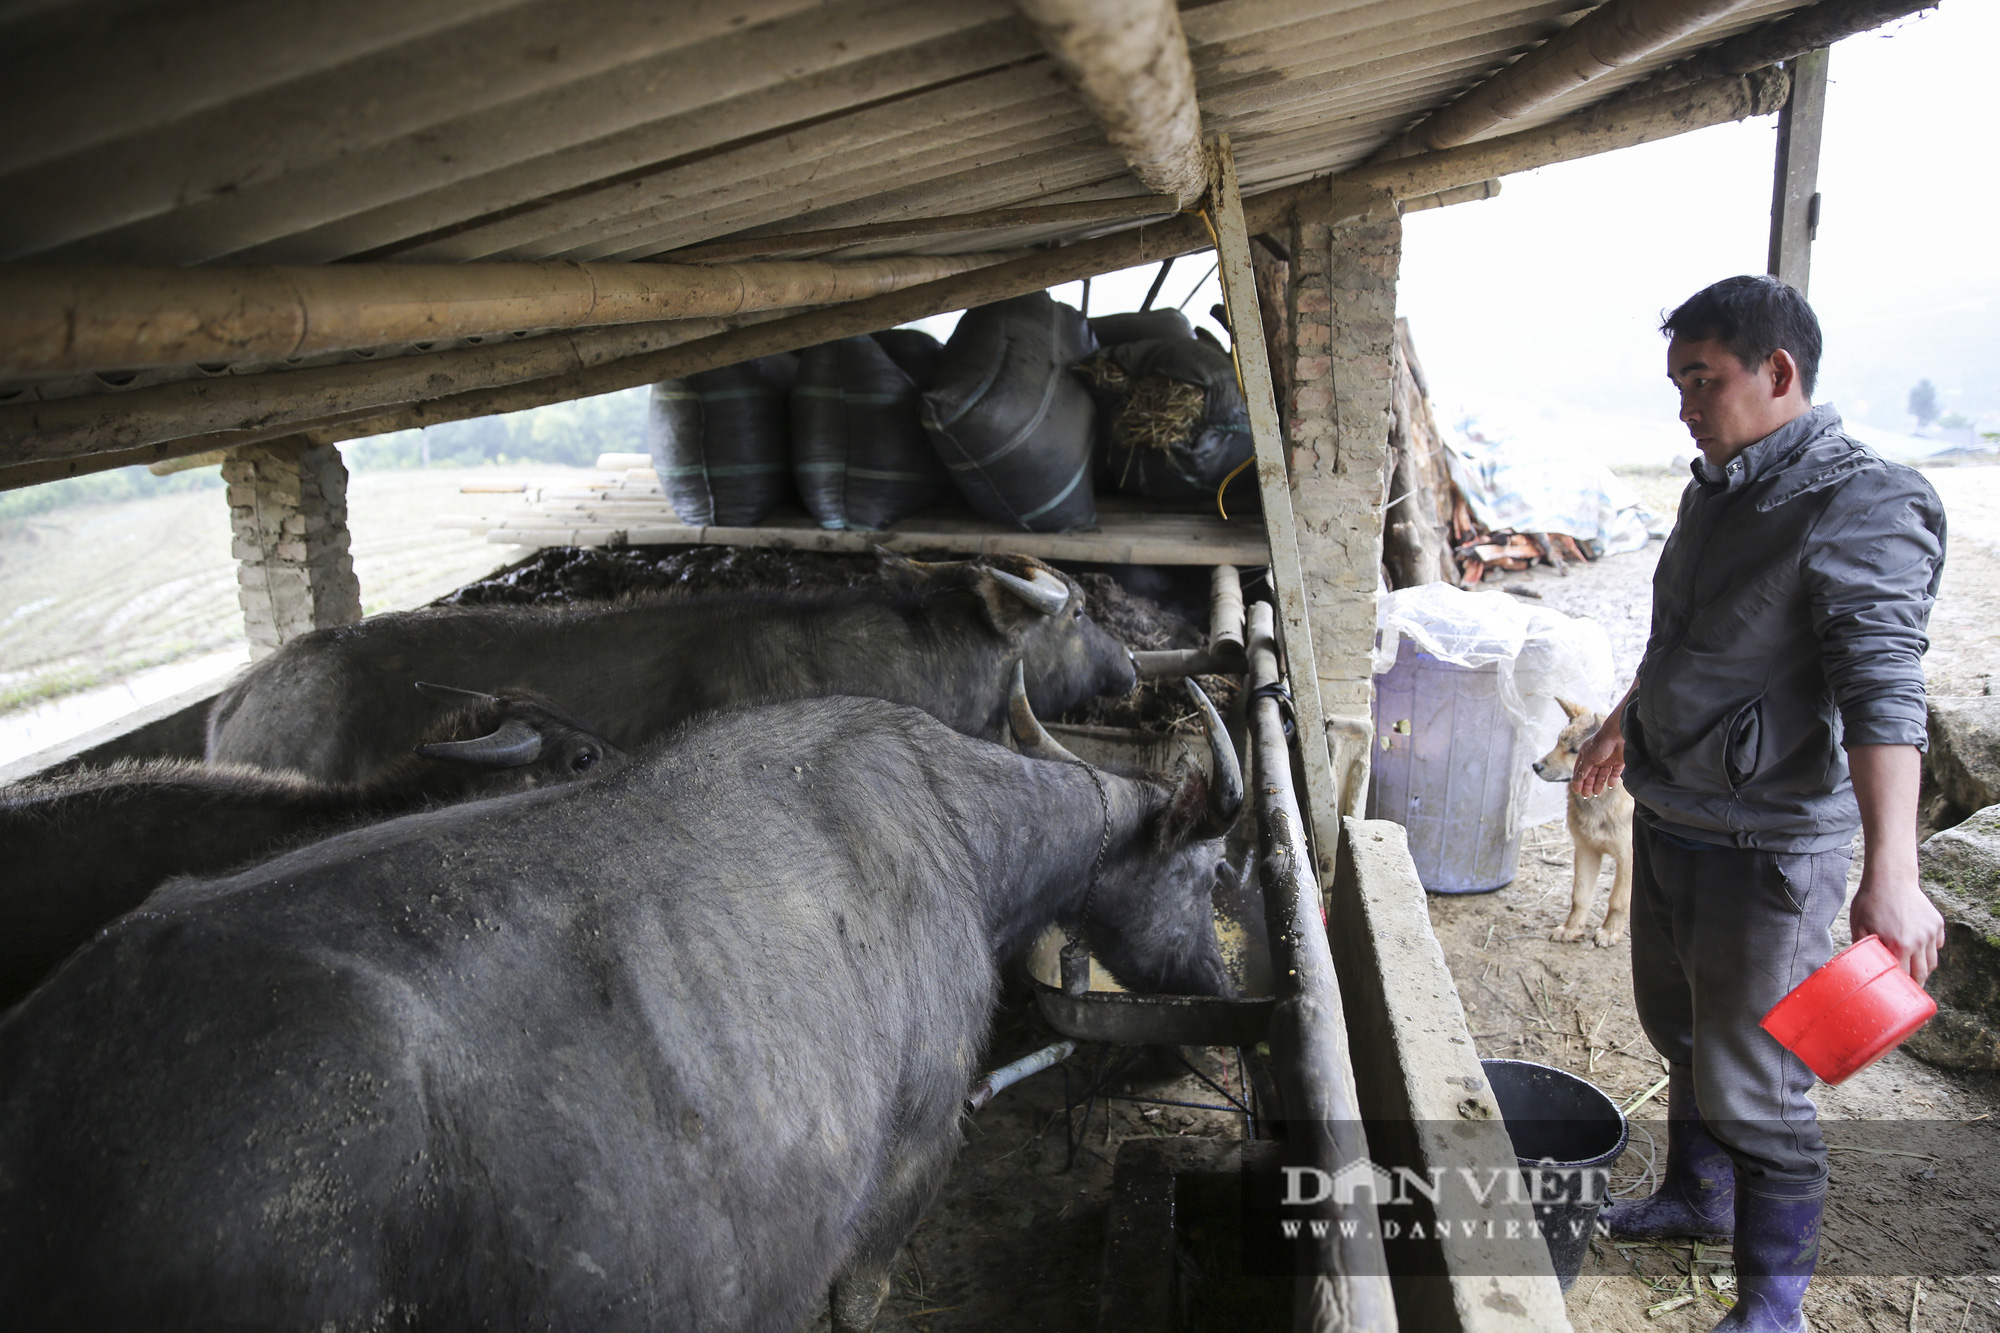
(1341, 305)
(288, 514)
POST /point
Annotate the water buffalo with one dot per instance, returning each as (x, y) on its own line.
(683, 1047)
(941, 637)
(85, 848)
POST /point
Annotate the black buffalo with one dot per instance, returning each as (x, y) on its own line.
(84, 848)
(684, 1047)
(334, 704)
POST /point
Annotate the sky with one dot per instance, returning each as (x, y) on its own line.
(1537, 312)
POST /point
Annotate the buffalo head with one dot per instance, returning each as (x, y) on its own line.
(1038, 613)
(518, 734)
(1152, 922)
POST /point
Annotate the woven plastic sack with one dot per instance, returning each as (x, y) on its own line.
(721, 441)
(1011, 423)
(1171, 422)
(859, 452)
(1137, 326)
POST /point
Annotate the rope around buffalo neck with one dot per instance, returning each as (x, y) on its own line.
(1076, 937)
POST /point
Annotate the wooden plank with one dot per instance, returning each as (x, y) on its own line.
(1253, 368)
(1122, 539)
(1795, 189)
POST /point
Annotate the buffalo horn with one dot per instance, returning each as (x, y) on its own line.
(514, 744)
(453, 695)
(1045, 592)
(1225, 791)
(1028, 734)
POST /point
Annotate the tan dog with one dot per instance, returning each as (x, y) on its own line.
(1600, 826)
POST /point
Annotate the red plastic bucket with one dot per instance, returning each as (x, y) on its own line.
(1851, 1012)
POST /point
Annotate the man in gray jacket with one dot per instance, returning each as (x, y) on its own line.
(1779, 708)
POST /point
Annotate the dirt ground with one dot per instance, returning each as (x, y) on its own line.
(1570, 1005)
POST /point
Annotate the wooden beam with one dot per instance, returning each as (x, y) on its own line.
(1801, 31)
(1715, 102)
(1795, 191)
(1039, 215)
(1604, 41)
(1461, 194)
(1274, 482)
(1128, 60)
(74, 319)
(271, 403)
(532, 373)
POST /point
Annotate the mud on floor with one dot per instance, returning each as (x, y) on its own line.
(1015, 1242)
(1570, 1005)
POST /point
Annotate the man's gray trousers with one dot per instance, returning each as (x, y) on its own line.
(1719, 935)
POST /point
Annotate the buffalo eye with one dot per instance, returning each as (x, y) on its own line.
(584, 759)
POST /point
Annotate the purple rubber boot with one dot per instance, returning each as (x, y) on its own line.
(1777, 1245)
(1697, 1194)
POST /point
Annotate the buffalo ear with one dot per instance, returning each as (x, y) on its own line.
(1015, 603)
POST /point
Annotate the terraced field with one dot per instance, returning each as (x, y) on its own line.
(93, 596)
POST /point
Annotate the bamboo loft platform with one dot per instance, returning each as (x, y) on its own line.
(629, 509)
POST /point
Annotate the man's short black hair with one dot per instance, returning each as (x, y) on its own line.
(1752, 317)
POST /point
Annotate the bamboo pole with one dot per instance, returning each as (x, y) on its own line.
(1349, 1289)
(1595, 131)
(1605, 40)
(1128, 60)
(63, 319)
(1039, 215)
(1461, 194)
(1803, 30)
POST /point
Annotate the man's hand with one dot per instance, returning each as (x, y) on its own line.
(1600, 761)
(1889, 902)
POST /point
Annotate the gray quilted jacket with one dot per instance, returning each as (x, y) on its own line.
(1788, 621)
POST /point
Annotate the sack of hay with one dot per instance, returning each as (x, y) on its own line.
(1171, 422)
(1010, 422)
(721, 441)
(860, 457)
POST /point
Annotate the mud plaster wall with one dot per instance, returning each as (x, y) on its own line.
(1341, 307)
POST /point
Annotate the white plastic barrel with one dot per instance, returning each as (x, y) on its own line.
(1444, 768)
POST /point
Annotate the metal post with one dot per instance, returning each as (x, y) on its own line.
(1794, 193)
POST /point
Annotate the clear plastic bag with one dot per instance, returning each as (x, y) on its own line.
(1541, 655)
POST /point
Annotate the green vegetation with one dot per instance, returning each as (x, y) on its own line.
(572, 434)
(125, 483)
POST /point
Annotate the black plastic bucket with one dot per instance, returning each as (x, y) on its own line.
(1566, 1135)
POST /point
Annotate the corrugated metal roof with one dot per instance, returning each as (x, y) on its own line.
(623, 129)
